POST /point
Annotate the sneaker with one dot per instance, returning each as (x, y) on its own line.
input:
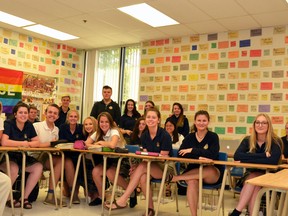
(75, 199)
(50, 200)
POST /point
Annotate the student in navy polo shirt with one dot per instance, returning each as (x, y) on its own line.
(154, 139)
(128, 119)
(71, 131)
(19, 132)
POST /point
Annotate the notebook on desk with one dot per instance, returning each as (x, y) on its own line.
(61, 141)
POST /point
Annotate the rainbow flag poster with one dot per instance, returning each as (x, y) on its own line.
(10, 88)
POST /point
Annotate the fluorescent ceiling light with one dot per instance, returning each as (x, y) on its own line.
(40, 29)
(148, 15)
(14, 20)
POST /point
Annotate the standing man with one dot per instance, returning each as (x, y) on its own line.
(65, 101)
(107, 105)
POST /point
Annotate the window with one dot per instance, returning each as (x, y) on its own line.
(120, 69)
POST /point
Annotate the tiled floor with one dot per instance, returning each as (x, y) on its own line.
(167, 209)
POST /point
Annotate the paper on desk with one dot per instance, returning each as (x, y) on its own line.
(95, 148)
(65, 146)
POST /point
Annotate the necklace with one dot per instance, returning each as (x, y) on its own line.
(200, 137)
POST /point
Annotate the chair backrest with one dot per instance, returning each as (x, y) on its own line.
(132, 148)
(177, 164)
(223, 156)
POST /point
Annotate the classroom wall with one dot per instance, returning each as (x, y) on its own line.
(233, 75)
(46, 60)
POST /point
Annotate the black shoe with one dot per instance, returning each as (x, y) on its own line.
(133, 199)
(96, 202)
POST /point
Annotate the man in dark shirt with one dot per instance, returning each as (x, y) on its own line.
(107, 105)
(65, 101)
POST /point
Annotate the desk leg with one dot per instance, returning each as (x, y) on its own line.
(285, 206)
(148, 187)
(281, 204)
(161, 187)
(221, 196)
(258, 201)
(53, 178)
(9, 175)
(115, 183)
(200, 189)
(23, 181)
(272, 203)
(62, 178)
(75, 178)
(104, 182)
(85, 177)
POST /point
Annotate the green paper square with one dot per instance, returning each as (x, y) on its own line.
(240, 130)
(220, 130)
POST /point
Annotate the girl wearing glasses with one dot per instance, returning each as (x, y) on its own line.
(263, 146)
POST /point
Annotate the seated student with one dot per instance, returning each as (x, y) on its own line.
(107, 135)
(178, 117)
(128, 119)
(138, 130)
(19, 132)
(71, 131)
(47, 132)
(89, 128)
(285, 142)
(32, 115)
(148, 104)
(263, 146)
(5, 187)
(200, 144)
(177, 138)
(154, 139)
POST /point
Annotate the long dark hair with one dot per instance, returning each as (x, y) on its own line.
(134, 111)
(136, 131)
(175, 135)
(180, 121)
(200, 112)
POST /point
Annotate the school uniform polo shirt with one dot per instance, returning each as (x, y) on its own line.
(108, 136)
(65, 133)
(161, 142)
(44, 133)
(112, 108)
(14, 133)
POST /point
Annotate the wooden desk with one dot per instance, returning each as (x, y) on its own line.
(120, 156)
(229, 165)
(23, 151)
(272, 182)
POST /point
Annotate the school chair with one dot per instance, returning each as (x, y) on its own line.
(236, 173)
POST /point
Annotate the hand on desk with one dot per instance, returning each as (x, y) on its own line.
(206, 159)
(182, 152)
